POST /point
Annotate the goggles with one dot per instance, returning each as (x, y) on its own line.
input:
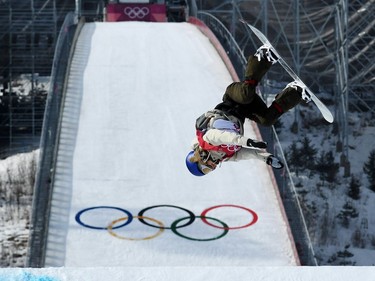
(205, 169)
(206, 164)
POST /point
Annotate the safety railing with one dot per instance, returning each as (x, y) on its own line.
(192, 7)
(284, 180)
(48, 143)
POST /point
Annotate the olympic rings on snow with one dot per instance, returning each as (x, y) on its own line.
(160, 231)
(175, 226)
(175, 223)
(254, 215)
(78, 217)
(190, 213)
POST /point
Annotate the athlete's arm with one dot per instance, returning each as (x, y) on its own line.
(218, 137)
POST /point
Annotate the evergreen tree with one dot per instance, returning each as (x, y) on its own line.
(344, 256)
(308, 154)
(327, 167)
(369, 169)
(348, 212)
(354, 190)
(294, 157)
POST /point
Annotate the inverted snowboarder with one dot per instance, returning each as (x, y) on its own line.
(219, 132)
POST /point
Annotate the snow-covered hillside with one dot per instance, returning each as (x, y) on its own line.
(342, 227)
(17, 174)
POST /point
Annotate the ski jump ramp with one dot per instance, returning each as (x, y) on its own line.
(122, 194)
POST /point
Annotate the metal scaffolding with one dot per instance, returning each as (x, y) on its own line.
(329, 44)
(28, 32)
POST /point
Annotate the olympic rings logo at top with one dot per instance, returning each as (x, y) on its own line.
(136, 12)
(175, 226)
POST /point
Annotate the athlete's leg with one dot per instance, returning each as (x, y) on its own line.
(244, 92)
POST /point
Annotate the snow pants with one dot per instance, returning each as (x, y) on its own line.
(247, 104)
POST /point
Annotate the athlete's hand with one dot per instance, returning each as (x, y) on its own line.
(256, 143)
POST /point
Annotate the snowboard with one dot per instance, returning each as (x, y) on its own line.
(327, 115)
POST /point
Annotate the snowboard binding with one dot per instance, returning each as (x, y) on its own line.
(265, 52)
(301, 88)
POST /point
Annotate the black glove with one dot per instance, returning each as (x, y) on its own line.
(256, 143)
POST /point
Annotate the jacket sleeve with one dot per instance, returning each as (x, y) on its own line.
(218, 137)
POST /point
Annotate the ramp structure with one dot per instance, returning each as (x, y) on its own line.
(122, 194)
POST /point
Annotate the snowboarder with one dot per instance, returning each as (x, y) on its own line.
(220, 131)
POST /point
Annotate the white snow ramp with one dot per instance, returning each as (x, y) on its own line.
(122, 194)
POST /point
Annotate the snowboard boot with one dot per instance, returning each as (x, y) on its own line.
(259, 64)
(300, 88)
(274, 162)
(292, 95)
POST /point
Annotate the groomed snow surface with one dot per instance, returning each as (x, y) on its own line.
(134, 92)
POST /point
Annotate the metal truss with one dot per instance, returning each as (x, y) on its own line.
(28, 33)
(329, 44)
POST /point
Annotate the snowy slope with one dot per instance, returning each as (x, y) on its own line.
(134, 92)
